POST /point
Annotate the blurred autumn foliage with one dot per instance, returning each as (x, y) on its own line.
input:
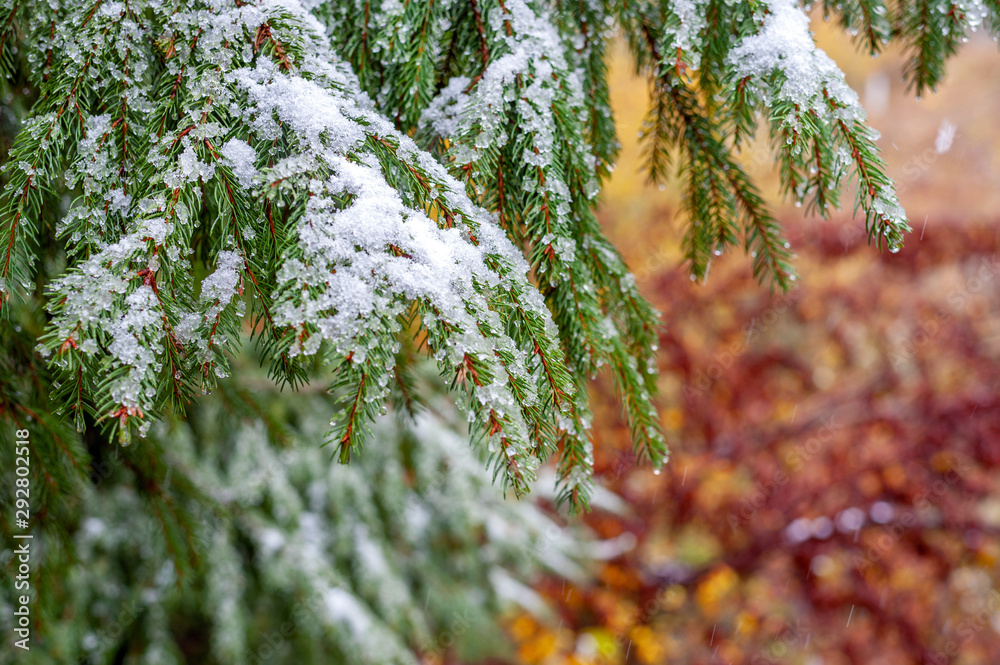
(833, 494)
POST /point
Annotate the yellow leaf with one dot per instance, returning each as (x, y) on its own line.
(714, 587)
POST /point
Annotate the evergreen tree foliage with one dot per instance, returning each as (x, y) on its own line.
(230, 538)
(340, 188)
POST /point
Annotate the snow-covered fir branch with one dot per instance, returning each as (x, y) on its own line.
(340, 177)
(347, 192)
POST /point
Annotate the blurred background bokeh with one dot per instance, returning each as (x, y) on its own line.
(833, 495)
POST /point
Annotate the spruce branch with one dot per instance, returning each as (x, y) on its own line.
(231, 177)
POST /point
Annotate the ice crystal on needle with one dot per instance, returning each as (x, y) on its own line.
(240, 157)
(684, 32)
